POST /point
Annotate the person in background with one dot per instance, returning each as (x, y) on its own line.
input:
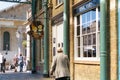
(21, 62)
(3, 65)
(1, 61)
(60, 66)
(15, 62)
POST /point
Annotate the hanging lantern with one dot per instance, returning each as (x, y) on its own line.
(36, 30)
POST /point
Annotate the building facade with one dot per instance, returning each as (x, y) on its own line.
(84, 37)
(12, 30)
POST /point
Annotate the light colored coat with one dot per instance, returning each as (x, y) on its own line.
(1, 58)
(60, 66)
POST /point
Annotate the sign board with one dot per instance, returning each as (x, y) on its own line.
(7, 23)
(88, 5)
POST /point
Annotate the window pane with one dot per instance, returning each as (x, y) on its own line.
(84, 29)
(93, 26)
(99, 13)
(78, 41)
(94, 39)
(88, 28)
(99, 19)
(78, 20)
(99, 25)
(78, 30)
(93, 14)
(6, 41)
(85, 52)
(89, 53)
(94, 51)
(89, 39)
(84, 40)
(83, 18)
(78, 52)
(59, 1)
(88, 16)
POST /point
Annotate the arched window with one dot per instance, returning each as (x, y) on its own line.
(6, 41)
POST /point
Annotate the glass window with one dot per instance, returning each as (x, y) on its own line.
(78, 30)
(41, 4)
(78, 20)
(6, 41)
(59, 2)
(87, 37)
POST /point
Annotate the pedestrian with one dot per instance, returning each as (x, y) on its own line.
(60, 66)
(1, 61)
(3, 64)
(21, 62)
(15, 62)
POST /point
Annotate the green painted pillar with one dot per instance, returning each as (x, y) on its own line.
(66, 27)
(33, 9)
(33, 40)
(33, 55)
(46, 40)
(118, 39)
(103, 44)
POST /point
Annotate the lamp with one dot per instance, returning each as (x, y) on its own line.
(36, 30)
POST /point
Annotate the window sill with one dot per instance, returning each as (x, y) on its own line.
(87, 62)
(57, 6)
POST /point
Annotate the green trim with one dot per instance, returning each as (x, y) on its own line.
(46, 40)
(66, 27)
(15, 1)
(103, 47)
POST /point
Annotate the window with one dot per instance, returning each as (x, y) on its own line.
(41, 4)
(59, 2)
(6, 41)
(87, 32)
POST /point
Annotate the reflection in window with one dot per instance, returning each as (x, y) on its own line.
(94, 39)
(89, 39)
(93, 26)
(89, 51)
(93, 12)
(86, 39)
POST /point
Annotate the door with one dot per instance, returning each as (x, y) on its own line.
(57, 38)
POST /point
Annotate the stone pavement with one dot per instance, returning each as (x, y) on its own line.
(11, 75)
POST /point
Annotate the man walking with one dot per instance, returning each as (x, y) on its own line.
(21, 62)
(60, 66)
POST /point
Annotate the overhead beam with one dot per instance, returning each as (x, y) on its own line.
(17, 1)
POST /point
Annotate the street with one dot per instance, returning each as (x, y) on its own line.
(10, 75)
